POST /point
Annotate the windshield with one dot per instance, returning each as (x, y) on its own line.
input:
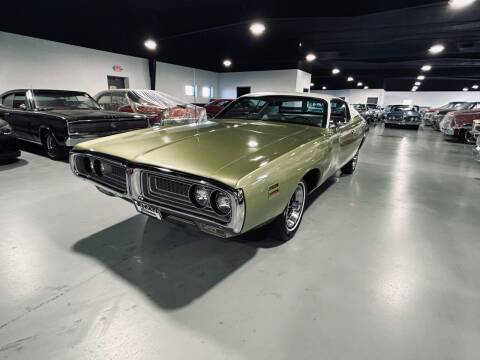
(300, 110)
(62, 100)
(404, 108)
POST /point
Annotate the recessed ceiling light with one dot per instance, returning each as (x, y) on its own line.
(414, 88)
(310, 57)
(436, 49)
(299, 44)
(465, 89)
(475, 86)
(365, 87)
(350, 79)
(150, 44)
(426, 67)
(359, 83)
(227, 63)
(420, 77)
(456, 4)
(257, 29)
(312, 84)
(324, 88)
(336, 71)
(418, 83)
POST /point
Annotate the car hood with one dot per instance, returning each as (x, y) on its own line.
(74, 115)
(225, 150)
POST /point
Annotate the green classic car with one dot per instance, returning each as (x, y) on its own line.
(252, 165)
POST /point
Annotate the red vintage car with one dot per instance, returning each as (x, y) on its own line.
(215, 105)
(459, 124)
(160, 108)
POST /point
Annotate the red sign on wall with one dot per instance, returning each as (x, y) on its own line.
(117, 68)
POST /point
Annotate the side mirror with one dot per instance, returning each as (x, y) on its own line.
(22, 107)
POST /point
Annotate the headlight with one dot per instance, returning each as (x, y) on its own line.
(222, 203)
(200, 196)
(6, 129)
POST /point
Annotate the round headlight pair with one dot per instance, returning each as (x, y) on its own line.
(219, 201)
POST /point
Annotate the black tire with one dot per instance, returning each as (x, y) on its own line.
(283, 228)
(52, 148)
(467, 137)
(349, 168)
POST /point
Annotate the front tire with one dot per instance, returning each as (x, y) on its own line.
(467, 137)
(53, 149)
(286, 225)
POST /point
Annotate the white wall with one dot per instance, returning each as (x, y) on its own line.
(430, 98)
(172, 79)
(274, 80)
(303, 80)
(27, 62)
(422, 98)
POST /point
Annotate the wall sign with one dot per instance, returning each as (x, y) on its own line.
(117, 68)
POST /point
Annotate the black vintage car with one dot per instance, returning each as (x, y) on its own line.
(59, 119)
(8, 142)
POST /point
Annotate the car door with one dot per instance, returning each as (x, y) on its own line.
(347, 129)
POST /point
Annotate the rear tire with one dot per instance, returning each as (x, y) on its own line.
(285, 226)
(467, 137)
(53, 149)
(350, 167)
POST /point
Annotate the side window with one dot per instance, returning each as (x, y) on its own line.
(291, 106)
(104, 99)
(339, 112)
(19, 99)
(119, 101)
(7, 101)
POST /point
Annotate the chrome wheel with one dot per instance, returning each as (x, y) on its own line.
(354, 161)
(468, 137)
(294, 210)
(51, 145)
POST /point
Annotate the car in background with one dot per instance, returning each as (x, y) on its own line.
(9, 148)
(59, 119)
(375, 110)
(476, 133)
(367, 113)
(215, 106)
(253, 164)
(159, 107)
(438, 114)
(407, 116)
(459, 124)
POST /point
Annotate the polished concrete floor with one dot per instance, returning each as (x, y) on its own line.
(386, 265)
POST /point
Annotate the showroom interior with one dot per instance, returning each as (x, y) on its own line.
(240, 180)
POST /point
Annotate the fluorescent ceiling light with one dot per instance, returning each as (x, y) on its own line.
(150, 44)
(359, 83)
(418, 83)
(227, 63)
(257, 29)
(310, 57)
(420, 77)
(426, 67)
(457, 4)
(436, 49)
(335, 71)
(350, 79)
(465, 89)
(475, 86)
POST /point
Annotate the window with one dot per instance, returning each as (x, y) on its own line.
(207, 91)
(190, 90)
(278, 108)
(54, 99)
(18, 100)
(339, 112)
(7, 101)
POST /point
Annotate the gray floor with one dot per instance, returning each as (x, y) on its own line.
(386, 265)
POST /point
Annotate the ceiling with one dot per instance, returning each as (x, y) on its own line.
(381, 43)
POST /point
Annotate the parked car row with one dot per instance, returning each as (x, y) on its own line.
(60, 119)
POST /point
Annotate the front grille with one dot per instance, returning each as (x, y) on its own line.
(172, 192)
(113, 177)
(109, 126)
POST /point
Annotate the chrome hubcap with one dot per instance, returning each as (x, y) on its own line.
(51, 144)
(469, 137)
(294, 210)
(354, 161)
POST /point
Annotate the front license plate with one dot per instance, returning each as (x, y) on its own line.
(150, 210)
